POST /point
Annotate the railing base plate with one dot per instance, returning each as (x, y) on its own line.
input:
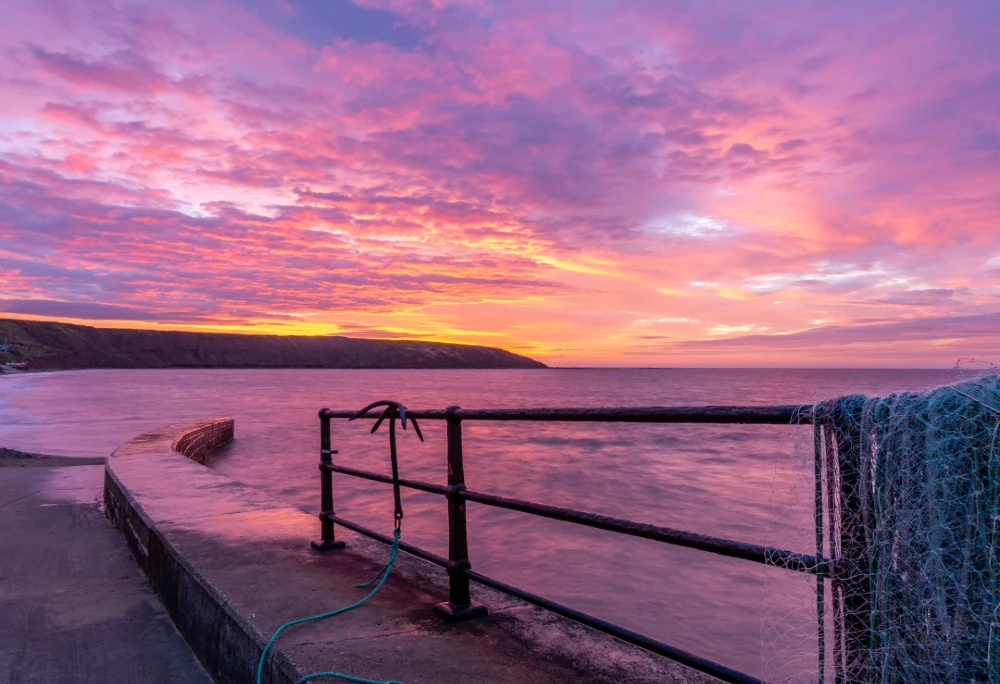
(450, 613)
(328, 545)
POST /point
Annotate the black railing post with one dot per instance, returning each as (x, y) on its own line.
(459, 605)
(327, 540)
(853, 560)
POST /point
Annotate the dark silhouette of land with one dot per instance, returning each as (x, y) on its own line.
(48, 345)
(20, 459)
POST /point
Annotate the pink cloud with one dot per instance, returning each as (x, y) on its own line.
(586, 183)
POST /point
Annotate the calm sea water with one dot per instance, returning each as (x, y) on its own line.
(751, 483)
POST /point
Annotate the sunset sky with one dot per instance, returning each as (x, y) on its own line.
(589, 183)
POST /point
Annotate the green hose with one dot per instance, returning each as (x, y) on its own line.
(380, 577)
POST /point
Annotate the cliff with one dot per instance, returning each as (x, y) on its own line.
(62, 346)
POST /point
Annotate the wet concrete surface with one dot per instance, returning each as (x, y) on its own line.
(74, 606)
(231, 564)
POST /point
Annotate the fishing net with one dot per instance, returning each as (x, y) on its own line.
(914, 491)
(911, 511)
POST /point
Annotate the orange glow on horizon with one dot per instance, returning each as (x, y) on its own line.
(665, 186)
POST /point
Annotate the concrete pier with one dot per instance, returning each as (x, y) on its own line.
(231, 564)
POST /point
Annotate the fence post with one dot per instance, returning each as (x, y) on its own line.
(818, 517)
(459, 605)
(327, 540)
(853, 571)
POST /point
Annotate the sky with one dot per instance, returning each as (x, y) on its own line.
(646, 183)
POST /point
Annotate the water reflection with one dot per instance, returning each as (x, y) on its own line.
(752, 483)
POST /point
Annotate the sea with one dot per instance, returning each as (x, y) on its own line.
(748, 483)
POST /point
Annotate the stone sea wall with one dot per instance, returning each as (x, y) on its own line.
(231, 564)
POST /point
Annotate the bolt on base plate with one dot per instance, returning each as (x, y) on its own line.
(446, 611)
(328, 545)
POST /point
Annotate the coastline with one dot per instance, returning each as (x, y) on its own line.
(47, 345)
(15, 458)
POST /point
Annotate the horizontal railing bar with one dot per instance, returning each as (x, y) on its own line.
(440, 561)
(711, 667)
(442, 490)
(695, 662)
(789, 560)
(767, 415)
(767, 555)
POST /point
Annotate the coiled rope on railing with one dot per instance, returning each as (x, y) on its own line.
(392, 411)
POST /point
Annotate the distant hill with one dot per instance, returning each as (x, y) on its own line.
(62, 346)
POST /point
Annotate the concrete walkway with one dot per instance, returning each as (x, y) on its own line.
(74, 607)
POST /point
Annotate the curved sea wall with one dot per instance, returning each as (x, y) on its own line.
(231, 564)
(197, 440)
(149, 483)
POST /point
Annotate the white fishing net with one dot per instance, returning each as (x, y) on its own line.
(911, 511)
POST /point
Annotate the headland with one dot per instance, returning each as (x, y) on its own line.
(46, 345)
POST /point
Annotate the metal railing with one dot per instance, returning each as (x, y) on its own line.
(460, 606)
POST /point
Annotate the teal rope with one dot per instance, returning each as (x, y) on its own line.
(357, 680)
(383, 573)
